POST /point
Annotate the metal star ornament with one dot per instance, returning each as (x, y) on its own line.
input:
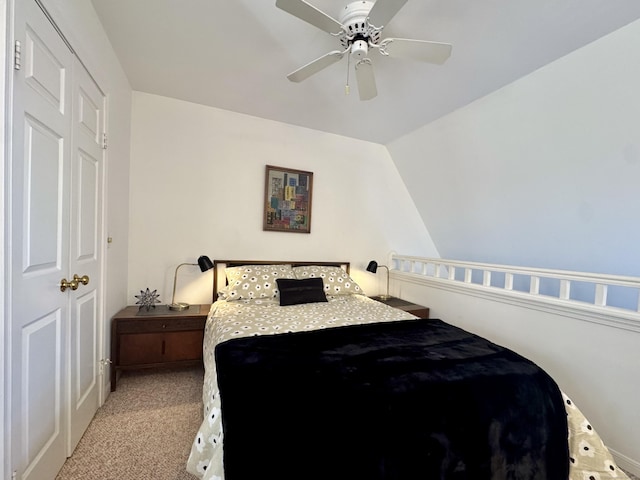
(147, 299)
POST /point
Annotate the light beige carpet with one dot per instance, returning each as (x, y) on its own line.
(143, 431)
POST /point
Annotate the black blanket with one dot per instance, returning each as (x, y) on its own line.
(415, 399)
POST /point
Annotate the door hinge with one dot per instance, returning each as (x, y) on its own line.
(103, 363)
(17, 55)
(104, 141)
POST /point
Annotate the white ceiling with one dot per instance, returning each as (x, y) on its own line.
(235, 55)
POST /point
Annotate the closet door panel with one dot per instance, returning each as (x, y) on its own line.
(40, 192)
(86, 247)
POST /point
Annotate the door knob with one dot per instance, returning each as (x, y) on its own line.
(72, 284)
(83, 279)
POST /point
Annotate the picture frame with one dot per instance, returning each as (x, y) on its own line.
(287, 200)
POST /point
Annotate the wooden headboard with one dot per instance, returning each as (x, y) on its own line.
(220, 279)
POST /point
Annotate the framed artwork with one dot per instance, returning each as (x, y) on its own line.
(287, 200)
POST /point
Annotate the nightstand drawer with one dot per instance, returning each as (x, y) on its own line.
(166, 324)
(422, 312)
(412, 308)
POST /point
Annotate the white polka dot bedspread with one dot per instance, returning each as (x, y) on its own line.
(590, 459)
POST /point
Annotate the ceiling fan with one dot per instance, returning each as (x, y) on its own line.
(359, 31)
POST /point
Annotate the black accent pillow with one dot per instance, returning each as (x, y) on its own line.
(294, 292)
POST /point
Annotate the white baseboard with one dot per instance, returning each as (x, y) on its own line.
(626, 463)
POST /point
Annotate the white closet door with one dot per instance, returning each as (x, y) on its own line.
(87, 174)
(56, 189)
(40, 192)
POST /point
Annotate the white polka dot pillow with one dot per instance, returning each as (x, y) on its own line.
(336, 280)
(250, 282)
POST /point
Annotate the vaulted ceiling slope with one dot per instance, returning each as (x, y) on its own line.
(235, 55)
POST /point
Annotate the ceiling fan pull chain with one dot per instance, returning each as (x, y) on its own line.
(346, 87)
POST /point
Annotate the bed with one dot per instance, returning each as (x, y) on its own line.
(307, 377)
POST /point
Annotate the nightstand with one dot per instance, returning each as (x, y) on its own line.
(156, 338)
(412, 308)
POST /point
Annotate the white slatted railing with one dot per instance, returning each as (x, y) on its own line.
(609, 292)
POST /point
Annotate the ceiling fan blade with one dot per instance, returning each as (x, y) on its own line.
(310, 14)
(383, 11)
(315, 66)
(366, 79)
(423, 50)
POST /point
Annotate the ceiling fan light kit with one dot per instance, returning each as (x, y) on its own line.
(359, 49)
(359, 30)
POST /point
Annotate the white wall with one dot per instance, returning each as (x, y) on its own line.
(595, 364)
(543, 172)
(197, 187)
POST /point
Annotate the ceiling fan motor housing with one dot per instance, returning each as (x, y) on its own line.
(357, 28)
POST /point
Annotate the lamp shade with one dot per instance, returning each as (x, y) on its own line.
(373, 268)
(204, 263)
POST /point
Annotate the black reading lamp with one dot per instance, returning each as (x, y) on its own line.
(373, 268)
(205, 264)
